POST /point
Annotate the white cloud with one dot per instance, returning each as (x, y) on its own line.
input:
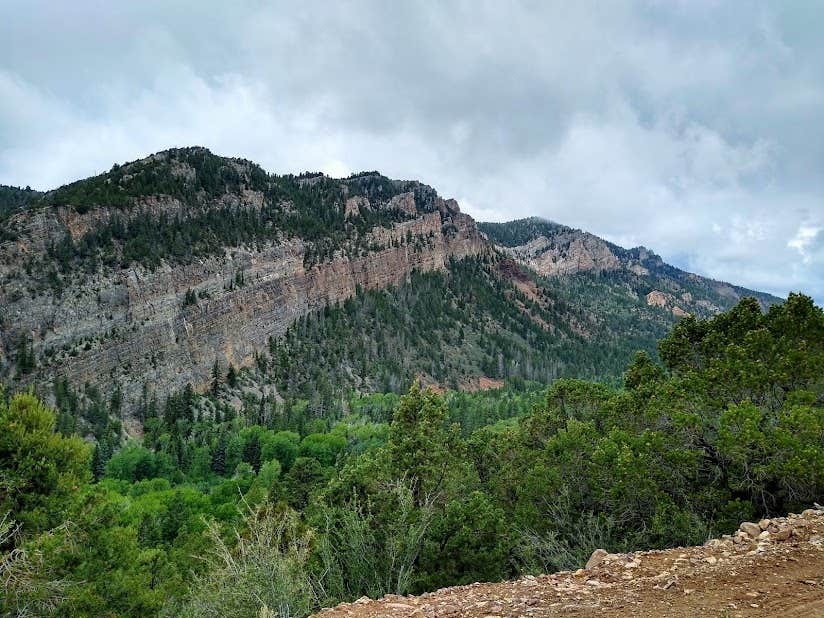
(692, 128)
(803, 239)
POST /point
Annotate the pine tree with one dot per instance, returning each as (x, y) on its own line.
(98, 465)
(251, 453)
(231, 377)
(215, 378)
(219, 455)
(419, 444)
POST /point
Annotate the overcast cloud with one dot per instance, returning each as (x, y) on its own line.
(694, 128)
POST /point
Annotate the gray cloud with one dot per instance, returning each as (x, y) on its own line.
(694, 128)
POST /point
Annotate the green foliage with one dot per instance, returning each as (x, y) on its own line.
(372, 549)
(419, 446)
(731, 427)
(455, 327)
(325, 448)
(307, 207)
(231, 377)
(13, 200)
(135, 463)
(25, 357)
(520, 232)
(39, 468)
(264, 567)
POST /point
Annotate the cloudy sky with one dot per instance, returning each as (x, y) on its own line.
(694, 128)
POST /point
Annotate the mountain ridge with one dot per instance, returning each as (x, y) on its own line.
(552, 249)
(102, 311)
(152, 274)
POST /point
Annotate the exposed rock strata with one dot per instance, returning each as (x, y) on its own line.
(131, 327)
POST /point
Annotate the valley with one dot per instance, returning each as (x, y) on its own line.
(229, 392)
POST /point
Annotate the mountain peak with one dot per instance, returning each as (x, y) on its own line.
(553, 250)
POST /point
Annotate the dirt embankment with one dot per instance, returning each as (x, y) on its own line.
(768, 568)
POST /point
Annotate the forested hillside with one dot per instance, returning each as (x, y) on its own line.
(146, 275)
(141, 280)
(221, 510)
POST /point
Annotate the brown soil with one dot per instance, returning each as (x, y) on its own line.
(729, 577)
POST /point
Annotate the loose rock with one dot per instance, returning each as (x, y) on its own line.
(596, 558)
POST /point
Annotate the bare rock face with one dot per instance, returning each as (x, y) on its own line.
(657, 299)
(405, 202)
(566, 254)
(131, 327)
(353, 206)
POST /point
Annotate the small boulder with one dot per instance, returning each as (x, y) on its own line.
(753, 530)
(783, 534)
(596, 558)
(764, 524)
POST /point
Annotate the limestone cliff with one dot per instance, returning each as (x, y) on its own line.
(161, 326)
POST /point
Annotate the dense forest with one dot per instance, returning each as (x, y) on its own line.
(521, 231)
(468, 321)
(220, 510)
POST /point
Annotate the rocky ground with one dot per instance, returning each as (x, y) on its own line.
(768, 568)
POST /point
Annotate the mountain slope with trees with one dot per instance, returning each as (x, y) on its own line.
(557, 251)
(218, 512)
(143, 279)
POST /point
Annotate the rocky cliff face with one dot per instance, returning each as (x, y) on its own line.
(160, 328)
(567, 253)
(554, 250)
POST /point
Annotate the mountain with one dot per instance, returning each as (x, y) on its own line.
(557, 251)
(168, 270)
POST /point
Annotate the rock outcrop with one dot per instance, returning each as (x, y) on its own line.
(567, 253)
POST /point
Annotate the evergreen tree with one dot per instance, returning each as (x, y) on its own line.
(98, 464)
(420, 446)
(215, 378)
(231, 376)
(219, 455)
(251, 453)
